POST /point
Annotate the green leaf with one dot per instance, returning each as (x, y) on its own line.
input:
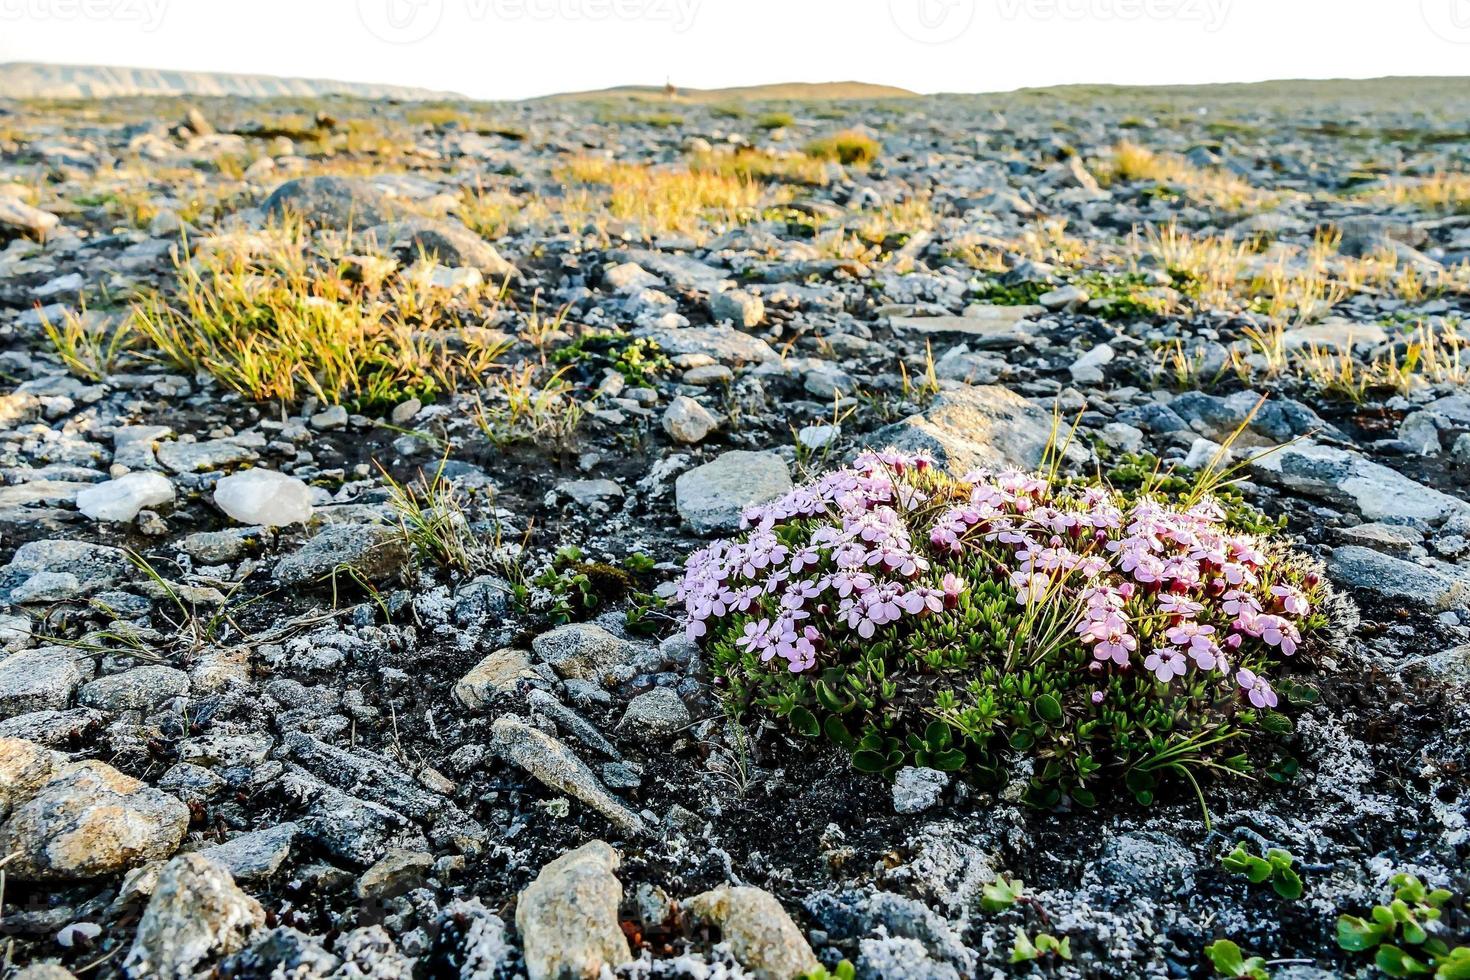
(1288, 884)
(1002, 893)
(1454, 966)
(1356, 934)
(1226, 955)
(1048, 709)
(837, 732)
(1023, 951)
(1397, 963)
(804, 722)
(936, 735)
(950, 760)
(1275, 723)
(1280, 858)
(867, 760)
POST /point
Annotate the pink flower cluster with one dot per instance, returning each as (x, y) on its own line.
(860, 567)
(1170, 589)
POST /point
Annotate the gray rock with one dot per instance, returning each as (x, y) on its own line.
(567, 720)
(1087, 369)
(896, 956)
(655, 713)
(761, 935)
(1450, 667)
(485, 953)
(916, 789)
(196, 457)
(137, 689)
(582, 650)
(285, 951)
(568, 916)
(1393, 539)
(218, 547)
(446, 241)
(988, 325)
(499, 673)
(1334, 334)
(969, 427)
(332, 202)
(1347, 479)
(725, 344)
(191, 783)
(255, 856)
(1275, 420)
(712, 497)
(687, 421)
(482, 601)
(90, 820)
(353, 829)
(555, 765)
(95, 566)
(19, 216)
(24, 768)
(592, 495)
(372, 552)
(741, 308)
(394, 873)
(55, 729)
(1141, 864)
(1394, 578)
(1063, 297)
(329, 419)
(369, 952)
(947, 868)
(1419, 432)
(38, 680)
(851, 915)
(196, 912)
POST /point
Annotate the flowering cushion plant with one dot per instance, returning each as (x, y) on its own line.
(974, 623)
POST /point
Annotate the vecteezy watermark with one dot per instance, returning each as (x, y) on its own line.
(410, 21)
(147, 14)
(1448, 19)
(931, 21)
(1211, 14)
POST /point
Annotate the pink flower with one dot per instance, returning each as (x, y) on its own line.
(1166, 663)
(952, 586)
(1277, 632)
(1291, 600)
(1256, 688)
(1115, 647)
(1178, 605)
(756, 638)
(1190, 634)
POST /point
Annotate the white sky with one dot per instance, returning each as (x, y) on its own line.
(520, 48)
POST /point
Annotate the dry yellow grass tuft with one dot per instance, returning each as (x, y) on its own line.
(661, 199)
(762, 165)
(278, 319)
(847, 147)
(1208, 186)
(1444, 192)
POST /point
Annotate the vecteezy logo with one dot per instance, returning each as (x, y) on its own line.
(1449, 19)
(400, 21)
(932, 21)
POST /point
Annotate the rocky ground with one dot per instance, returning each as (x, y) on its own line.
(371, 717)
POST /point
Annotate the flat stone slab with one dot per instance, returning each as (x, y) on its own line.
(711, 497)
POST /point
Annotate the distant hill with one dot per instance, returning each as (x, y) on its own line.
(28, 80)
(798, 91)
